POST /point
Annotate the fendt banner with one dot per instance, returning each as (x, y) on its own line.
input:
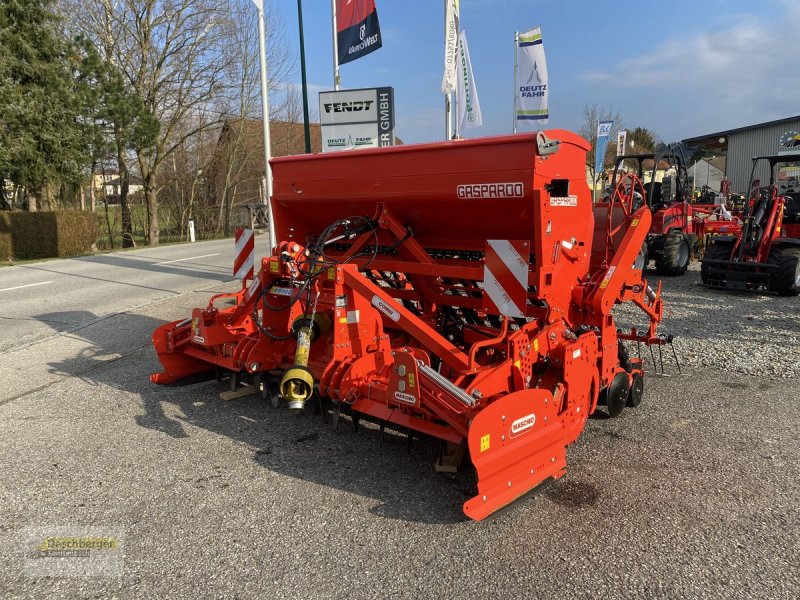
(357, 30)
(531, 78)
(355, 119)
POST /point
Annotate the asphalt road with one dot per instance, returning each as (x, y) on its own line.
(693, 494)
(39, 299)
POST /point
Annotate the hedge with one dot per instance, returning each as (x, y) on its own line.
(50, 234)
(5, 237)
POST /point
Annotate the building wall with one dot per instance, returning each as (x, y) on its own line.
(743, 146)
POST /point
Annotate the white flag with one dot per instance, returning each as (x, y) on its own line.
(531, 78)
(469, 107)
(450, 47)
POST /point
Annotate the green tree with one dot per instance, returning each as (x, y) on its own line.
(116, 121)
(42, 139)
(644, 139)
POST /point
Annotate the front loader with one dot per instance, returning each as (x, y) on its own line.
(459, 290)
(765, 255)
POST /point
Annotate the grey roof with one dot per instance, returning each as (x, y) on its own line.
(727, 132)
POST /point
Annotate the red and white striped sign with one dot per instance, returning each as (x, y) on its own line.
(244, 254)
(505, 277)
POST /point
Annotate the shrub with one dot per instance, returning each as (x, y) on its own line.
(51, 234)
(5, 237)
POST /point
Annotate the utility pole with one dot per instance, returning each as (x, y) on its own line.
(335, 47)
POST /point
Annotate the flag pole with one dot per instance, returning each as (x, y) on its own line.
(306, 126)
(516, 42)
(335, 48)
(262, 47)
(594, 179)
(448, 106)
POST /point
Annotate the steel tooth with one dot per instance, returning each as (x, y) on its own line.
(381, 428)
(234, 380)
(409, 439)
(675, 355)
(356, 422)
(335, 417)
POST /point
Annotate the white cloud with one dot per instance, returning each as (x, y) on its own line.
(742, 74)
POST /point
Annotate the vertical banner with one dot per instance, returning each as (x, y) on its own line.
(450, 78)
(357, 30)
(622, 143)
(531, 78)
(469, 107)
(603, 131)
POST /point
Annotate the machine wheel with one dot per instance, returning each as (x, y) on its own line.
(675, 258)
(637, 390)
(617, 395)
(786, 277)
(716, 251)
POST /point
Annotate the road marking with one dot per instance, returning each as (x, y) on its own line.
(19, 287)
(169, 262)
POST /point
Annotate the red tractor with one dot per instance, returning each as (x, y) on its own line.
(670, 239)
(765, 256)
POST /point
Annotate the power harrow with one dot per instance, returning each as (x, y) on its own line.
(462, 290)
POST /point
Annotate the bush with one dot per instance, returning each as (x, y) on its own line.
(5, 237)
(52, 234)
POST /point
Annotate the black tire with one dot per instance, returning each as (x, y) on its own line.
(716, 251)
(617, 395)
(674, 260)
(637, 391)
(786, 277)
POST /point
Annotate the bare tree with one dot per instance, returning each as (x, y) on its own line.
(194, 65)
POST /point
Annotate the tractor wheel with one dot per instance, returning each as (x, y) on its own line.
(716, 251)
(675, 258)
(637, 391)
(786, 277)
(617, 395)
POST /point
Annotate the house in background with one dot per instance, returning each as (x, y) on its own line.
(107, 185)
(237, 167)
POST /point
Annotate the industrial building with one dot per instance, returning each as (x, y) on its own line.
(740, 145)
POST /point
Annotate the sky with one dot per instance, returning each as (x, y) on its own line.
(682, 68)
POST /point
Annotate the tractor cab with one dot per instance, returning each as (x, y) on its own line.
(669, 241)
(766, 255)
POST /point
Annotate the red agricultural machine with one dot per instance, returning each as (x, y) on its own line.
(765, 255)
(671, 237)
(452, 289)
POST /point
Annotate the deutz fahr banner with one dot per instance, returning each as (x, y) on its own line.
(357, 30)
(357, 119)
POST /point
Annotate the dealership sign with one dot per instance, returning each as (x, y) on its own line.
(357, 119)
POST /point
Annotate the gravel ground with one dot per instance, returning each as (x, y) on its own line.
(692, 494)
(736, 332)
